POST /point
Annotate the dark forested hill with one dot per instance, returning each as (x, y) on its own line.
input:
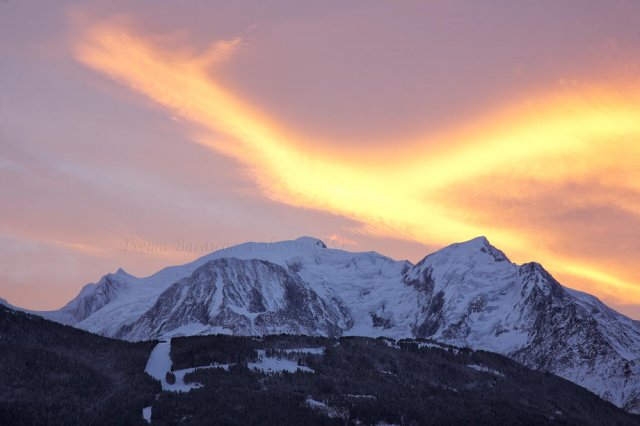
(52, 374)
(369, 381)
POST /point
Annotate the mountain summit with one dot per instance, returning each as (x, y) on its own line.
(466, 294)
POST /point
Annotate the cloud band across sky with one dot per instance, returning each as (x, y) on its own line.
(544, 178)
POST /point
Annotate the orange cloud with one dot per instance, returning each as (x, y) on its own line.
(338, 241)
(424, 190)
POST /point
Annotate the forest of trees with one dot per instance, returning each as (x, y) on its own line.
(52, 374)
(57, 375)
(367, 381)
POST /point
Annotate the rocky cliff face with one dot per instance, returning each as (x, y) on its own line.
(467, 294)
(241, 297)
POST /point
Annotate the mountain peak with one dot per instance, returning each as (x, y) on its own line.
(475, 243)
(481, 244)
(474, 251)
(478, 240)
(121, 273)
(305, 240)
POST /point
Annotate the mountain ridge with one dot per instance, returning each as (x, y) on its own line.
(466, 294)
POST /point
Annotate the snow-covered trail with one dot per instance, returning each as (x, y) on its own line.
(146, 414)
(159, 361)
(159, 364)
(277, 365)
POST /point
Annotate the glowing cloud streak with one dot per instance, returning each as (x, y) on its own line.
(402, 191)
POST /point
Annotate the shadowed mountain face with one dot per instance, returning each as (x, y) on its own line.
(243, 296)
(467, 294)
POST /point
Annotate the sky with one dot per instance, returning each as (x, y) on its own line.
(148, 133)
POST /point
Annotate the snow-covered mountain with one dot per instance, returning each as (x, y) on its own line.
(467, 294)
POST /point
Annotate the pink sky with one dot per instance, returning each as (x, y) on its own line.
(512, 121)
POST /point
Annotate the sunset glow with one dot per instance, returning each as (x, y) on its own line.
(300, 184)
(429, 191)
(393, 127)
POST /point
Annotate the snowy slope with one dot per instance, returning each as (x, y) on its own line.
(473, 296)
(467, 294)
